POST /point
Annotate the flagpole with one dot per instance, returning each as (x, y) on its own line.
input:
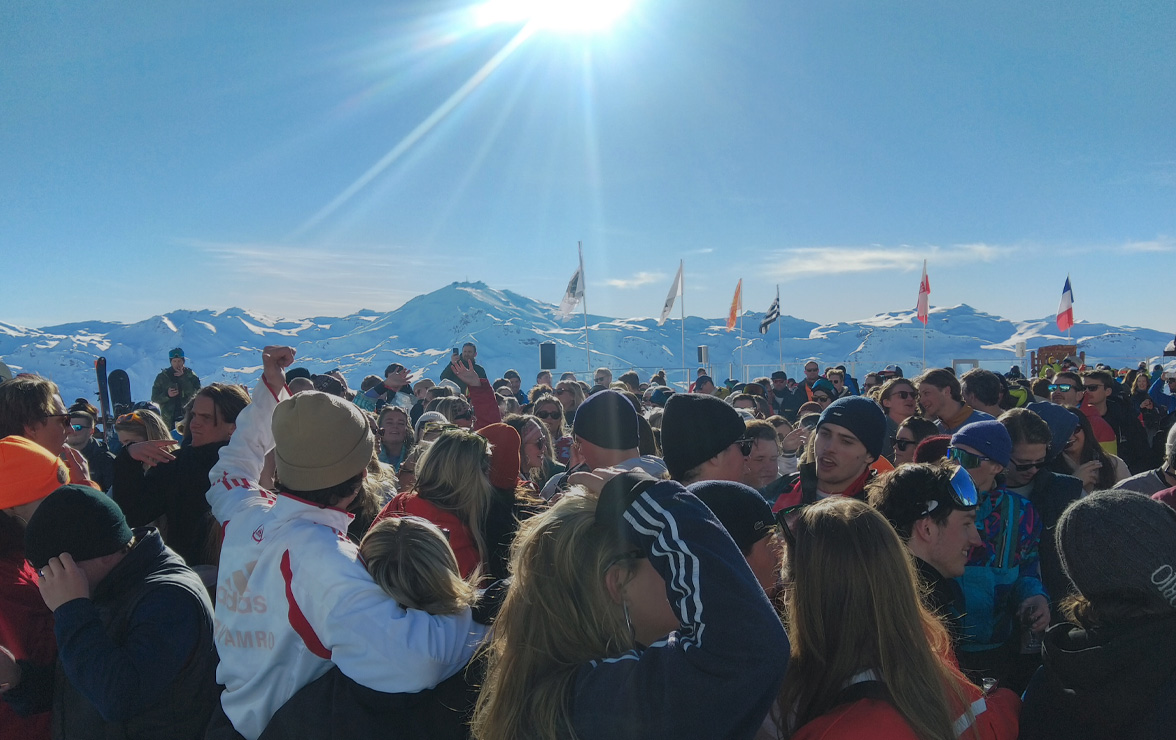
(584, 302)
(682, 297)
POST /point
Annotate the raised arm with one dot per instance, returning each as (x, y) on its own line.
(244, 456)
(716, 676)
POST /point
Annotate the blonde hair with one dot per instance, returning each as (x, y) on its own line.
(410, 558)
(868, 617)
(453, 474)
(556, 617)
(144, 422)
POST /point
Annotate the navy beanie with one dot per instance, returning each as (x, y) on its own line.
(861, 416)
(607, 419)
(695, 428)
(79, 520)
(1061, 422)
(989, 438)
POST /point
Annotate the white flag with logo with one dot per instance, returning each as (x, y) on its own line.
(675, 289)
(772, 314)
(575, 291)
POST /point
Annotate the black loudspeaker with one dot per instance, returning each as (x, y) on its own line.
(547, 356)
(703, 354)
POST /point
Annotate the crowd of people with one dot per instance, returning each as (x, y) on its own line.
(985, 556)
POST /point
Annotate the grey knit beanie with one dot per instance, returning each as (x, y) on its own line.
(1120, 543)
(320, 441)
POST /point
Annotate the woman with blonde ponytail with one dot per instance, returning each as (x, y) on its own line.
(632, 614)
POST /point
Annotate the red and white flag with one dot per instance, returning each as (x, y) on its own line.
(922, 310)
(736, 306)
(1066, 308)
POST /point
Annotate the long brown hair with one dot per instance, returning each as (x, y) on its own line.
(1092, 450)
(852, 605)
(556, 617)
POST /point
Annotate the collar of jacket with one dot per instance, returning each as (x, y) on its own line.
(808, 483)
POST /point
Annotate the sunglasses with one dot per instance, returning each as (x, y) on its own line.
(1024, 467)
(822, 398)
(1062, 387)
(786, 520)
(904, 395)
(548, 415)
(1095, 387)
(963, 493)
(436, 427)
(79, 427)
(467, 414)
(132, 417)
(561, 391)
(902, 444)
(746, 444)
(63, 418)
(968, 460)
(625, 557)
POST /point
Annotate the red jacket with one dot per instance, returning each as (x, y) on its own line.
(26, 628)
(806, 484)
(460, 538)
(995, 718)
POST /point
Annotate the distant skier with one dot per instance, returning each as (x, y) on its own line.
(174, 387)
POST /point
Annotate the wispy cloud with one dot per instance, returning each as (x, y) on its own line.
(325, 279)
(801, 262)
(638, 280)
(1159, 244)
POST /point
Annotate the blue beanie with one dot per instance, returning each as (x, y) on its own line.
(989, 438)
(859, 415)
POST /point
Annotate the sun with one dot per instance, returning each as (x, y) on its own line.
(577, 16)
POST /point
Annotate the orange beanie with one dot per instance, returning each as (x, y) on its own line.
(28, 472)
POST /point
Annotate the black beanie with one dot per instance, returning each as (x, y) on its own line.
(741, 510)
(607, 419)
(76, 519)
(695, 428)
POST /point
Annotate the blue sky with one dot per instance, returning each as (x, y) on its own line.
(305, 158)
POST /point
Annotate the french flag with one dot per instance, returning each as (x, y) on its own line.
(1066, 308)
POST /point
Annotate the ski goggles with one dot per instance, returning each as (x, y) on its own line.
(968, 460)
(963, 493)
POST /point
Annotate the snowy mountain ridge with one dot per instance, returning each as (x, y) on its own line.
(508, 329)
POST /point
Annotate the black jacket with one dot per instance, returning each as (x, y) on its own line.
(1050, 495)
(101, 462)
(176, 489)
(333, 707)
(1108, 683)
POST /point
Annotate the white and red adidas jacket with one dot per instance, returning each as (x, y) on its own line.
(293, 599)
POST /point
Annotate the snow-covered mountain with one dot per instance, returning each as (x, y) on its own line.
(508, 329)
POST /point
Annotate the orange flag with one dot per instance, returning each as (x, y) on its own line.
(736, 305)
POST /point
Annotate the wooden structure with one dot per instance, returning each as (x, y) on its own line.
(1041, 356)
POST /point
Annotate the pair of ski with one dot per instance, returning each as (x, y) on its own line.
(114, 391)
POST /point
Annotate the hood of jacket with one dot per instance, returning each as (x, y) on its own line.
(1109, 673)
